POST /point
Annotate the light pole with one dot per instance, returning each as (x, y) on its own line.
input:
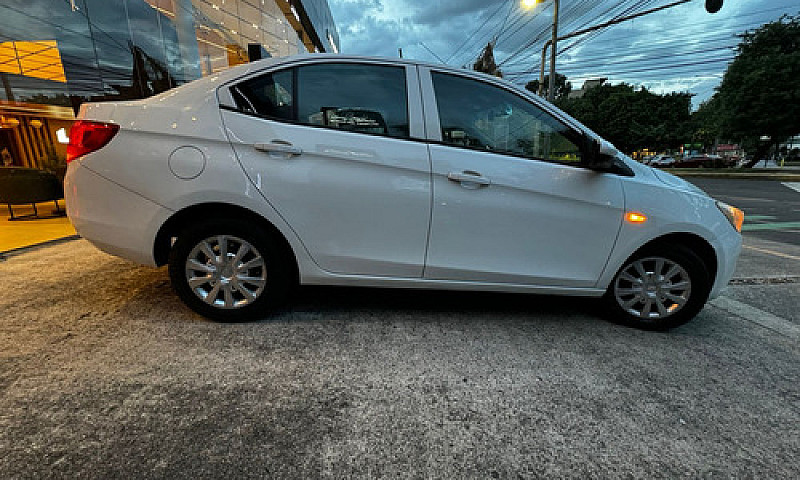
(551, 90)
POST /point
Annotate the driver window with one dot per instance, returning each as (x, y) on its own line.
(477, 115)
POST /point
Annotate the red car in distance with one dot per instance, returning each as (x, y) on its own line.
(700, 161)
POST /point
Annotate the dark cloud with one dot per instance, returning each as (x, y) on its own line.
(437, 14)
(681, 49)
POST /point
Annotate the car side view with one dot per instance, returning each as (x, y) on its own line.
(342, 170)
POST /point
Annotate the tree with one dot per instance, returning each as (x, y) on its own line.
(563, 87)
(485, 62)
(633, 119)
(705, 123)
(759, 91)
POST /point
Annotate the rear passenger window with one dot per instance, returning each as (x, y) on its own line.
(354, 97)
(269, 95)
(345, 96)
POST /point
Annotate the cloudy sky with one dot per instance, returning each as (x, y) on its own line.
(678, 49)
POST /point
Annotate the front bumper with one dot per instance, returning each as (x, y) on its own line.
(728, 248)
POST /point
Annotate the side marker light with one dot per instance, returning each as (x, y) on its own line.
(733, 214)
(635, 217)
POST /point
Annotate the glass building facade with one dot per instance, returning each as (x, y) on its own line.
(57, 54)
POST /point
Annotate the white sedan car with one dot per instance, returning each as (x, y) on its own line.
(340, 170)
(662, 161)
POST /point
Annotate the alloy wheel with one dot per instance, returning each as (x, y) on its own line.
(652, 288)
(226, 272)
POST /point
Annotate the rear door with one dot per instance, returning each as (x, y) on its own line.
(331, 145)
(511, 200)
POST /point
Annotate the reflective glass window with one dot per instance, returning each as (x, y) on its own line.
(268, 95)
(478, 115)
(355, 97)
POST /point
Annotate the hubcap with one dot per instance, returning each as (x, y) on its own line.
(652, 288)
(226, 272)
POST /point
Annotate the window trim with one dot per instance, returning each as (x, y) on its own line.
(295, 95)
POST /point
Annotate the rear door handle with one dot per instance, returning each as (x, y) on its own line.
(468, 178)
(278, 146)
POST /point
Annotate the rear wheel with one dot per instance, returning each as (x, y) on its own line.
(228, 271)
(660, 288)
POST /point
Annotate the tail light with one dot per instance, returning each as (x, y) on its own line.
(87, 136)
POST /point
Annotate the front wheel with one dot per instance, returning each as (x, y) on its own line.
(658, 289)
(228, 271)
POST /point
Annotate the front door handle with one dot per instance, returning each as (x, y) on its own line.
(469, 179)
(278, 146)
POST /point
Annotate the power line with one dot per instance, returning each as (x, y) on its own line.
(656, 48)
(687, 27)
(718, 52)
(519, 75)
(625, 11)
(499, 6)
(659, 47)
(508, 13)
(431, 52)
(566, 17)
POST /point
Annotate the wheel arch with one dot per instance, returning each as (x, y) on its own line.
(697, 244)
(204, 211)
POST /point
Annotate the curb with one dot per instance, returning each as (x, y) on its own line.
(28, 248)
(781, 177)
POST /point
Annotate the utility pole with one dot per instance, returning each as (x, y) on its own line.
(551, 91)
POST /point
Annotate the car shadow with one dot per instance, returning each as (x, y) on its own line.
(322, 299)
(316, 304)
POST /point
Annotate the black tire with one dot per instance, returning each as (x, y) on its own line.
(693, 267)
(267, 286)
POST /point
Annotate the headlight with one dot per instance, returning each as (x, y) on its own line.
(735, 216)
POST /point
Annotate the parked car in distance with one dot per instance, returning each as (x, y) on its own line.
(662, 161)
(344, 170)
(700, 161)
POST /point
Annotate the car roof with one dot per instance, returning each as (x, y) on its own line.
(244, 69)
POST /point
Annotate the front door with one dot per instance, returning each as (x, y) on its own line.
(511, 201)
(330, 147)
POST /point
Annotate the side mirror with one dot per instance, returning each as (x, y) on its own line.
(713, 6)
(598, 155)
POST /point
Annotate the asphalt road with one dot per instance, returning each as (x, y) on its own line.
(105, 374)
(772, 209)
(768, 273)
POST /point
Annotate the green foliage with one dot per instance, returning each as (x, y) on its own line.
(631, 119)
(485, 62)
(563, 87)
(706, 122)
(760, 92)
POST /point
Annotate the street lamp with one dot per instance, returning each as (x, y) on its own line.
(554, 47)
